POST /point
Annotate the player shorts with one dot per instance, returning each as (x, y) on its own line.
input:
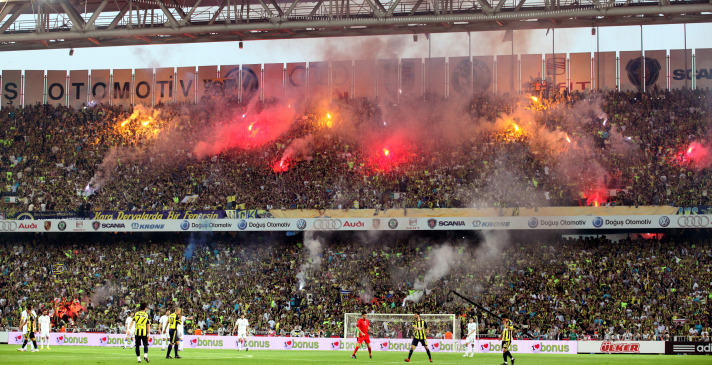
(242, 334)
(30, 335)
(471, 339)
(141, 339)
(362, 339)
(172, 336)
(416, 341)
(505, 345)
(44, 334)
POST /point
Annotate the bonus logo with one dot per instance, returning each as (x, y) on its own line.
(598, 222)
(485, 347)
(536, 348)
(60, 339)
(18, 338)
(384, 345)
(288, 344)
(335, 345)
(435, 347)
(103, 340)
(194, 342)
(533, 222)
(184, 225)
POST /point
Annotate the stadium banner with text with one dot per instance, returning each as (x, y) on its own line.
(621, 347)
(688, 348)
(165, 214)
(206, 224)
(375, 78)
(302, 343)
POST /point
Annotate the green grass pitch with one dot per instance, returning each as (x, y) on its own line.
(66, 355)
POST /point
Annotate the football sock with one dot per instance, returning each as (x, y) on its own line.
(170, 347)
(410, 354)
(428, 351)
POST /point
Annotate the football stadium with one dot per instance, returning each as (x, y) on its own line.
(347, 181)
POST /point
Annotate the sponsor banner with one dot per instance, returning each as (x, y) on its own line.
(34, 87)
(506, 73)
(688, 348)
(301, 343)
(365, 83)
(621, 347)
(152, 224)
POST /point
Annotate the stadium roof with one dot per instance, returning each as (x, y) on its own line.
(51, 24)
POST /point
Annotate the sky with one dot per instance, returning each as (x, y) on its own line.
(655, 37)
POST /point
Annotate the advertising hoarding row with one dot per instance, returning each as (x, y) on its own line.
(655, 222)
(304, 343)
(387, 79)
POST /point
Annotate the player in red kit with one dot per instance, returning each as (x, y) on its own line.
(362, 328)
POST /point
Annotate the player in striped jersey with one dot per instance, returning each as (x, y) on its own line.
(507, 332)
(143, 329)
(29, 325)
(420, 330)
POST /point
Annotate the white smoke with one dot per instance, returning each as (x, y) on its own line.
(442, 260)
(314, 247)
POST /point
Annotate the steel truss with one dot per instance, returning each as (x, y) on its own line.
(50, 24)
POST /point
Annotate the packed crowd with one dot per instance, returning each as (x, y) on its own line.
(559, 287)
(635, 144)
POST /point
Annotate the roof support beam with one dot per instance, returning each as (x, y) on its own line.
(92, 19)
(171, 18)
(73, 14)
(13, 17)
(119, 16)
(289, 11)
(186, 17)
(217, 13)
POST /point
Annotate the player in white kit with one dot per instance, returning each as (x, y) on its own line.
(128, 342)
(44, 323)
(471, 341)
(163, 329)
(241, 325)
(180, 331)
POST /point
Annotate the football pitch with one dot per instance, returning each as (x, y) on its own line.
(102, 355)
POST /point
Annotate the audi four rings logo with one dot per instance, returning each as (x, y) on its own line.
(699, 221)
(327, 224)
(8, 226)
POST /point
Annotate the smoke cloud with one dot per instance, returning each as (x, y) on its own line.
(441, 259)
(314, 248)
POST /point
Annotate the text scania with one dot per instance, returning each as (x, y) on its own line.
(113, 225)
(451, 223)
(78, 340)
(563, 222)
(630, 222)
